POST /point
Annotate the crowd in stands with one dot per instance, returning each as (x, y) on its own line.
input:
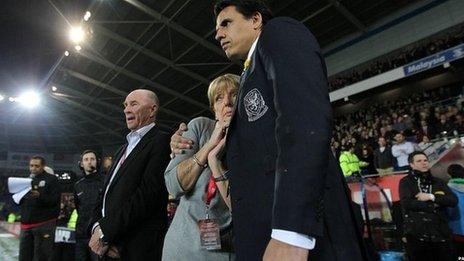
(397, 59)
(418, 118)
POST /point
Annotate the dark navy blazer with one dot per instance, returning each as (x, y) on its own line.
(282, 173)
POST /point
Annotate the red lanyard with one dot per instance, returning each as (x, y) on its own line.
(211, 190)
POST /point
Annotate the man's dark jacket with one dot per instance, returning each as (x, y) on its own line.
(135, 208)
(426, 220)
(282, 173)
(86, 194)
(385, 159)
(45, 207)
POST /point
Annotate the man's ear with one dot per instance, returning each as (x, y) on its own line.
(154, 111)
(257, 20)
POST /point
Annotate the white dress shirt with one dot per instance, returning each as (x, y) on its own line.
(133, 138)
(401, 152)
(289, 237)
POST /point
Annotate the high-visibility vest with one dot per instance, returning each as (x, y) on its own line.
(72, 220)
(350, 163)
(11, 218)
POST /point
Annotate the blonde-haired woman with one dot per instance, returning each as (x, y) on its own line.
(196, 177)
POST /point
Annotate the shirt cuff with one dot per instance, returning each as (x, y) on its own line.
(95, 226)
(432, 197)
(294, 239)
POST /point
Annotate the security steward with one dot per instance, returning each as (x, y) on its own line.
(349, 162)
(86, 193)
(40, 208)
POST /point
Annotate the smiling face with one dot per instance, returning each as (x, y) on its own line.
(236, 33)
(140, 108)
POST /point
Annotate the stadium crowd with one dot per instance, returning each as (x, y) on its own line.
(397, 58)
(285, 195)
(420, 118)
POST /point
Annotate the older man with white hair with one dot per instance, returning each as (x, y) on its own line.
(131, 219)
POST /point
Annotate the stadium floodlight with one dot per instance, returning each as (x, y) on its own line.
(66, 53)
(54, 89)
(29, 99)
(2, 97)
(77, 34)
(87, 16)
(78, 48)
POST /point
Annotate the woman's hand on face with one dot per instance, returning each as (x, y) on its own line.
(219, 132)
(214, 154)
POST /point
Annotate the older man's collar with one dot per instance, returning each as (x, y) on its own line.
(140, 132)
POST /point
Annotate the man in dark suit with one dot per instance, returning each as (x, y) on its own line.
(131, 220)
(289, 198)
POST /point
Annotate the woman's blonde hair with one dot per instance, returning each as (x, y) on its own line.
(220, 84)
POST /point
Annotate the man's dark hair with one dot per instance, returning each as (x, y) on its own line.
(42, 159)
(89, 151)
(456, 171)
(246, 7)
(415, 153)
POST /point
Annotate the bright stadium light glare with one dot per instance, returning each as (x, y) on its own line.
(78, 48)
(66, 53)
(29, 99)
(11, 99)
(77, 34)
(2, 97)
(87, 16)
(54, 89)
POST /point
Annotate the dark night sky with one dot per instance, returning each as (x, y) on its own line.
(33, 36)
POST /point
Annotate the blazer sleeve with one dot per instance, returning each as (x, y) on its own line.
(141, 204)
(296, 70)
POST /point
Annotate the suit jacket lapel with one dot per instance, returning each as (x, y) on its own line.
(133, 155)
(118, 154)
(243, 79)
